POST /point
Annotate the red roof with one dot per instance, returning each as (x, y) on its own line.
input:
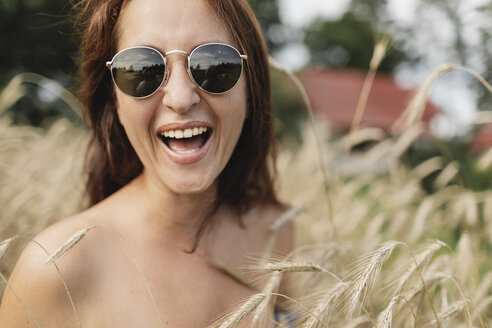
(482, 139)
(335, 93)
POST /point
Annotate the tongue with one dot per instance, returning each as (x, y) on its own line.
(184, 145)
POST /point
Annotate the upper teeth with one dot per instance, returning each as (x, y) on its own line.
(187, 133)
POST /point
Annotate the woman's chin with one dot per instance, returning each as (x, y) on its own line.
(191, 187)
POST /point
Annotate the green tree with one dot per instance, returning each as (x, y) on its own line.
(36, 36)
(474, 51)
(457, 18)
(372, 10)
(347, 42)
(267, 13)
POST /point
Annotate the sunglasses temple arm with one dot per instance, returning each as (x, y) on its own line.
(108, 64)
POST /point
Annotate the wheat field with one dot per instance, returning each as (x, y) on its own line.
(373, 247)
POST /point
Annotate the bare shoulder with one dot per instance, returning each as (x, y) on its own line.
(276, 221)
(283, 226)
(280, 221)
(272, 227)
(36, 294)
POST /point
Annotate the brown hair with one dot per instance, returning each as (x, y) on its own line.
(112, 163)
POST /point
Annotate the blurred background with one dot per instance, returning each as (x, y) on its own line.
(338, 34)
(358, 179)
(37, 36)
(328, 44)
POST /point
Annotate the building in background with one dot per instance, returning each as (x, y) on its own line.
(481, 140)
(334, 94)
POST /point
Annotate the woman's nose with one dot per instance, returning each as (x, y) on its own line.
(180, 93)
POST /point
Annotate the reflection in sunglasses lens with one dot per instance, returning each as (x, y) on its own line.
(215, 68)
(138, 72)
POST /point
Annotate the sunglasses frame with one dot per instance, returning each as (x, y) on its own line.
(109, 65)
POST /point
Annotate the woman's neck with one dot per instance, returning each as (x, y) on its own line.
(172, 216)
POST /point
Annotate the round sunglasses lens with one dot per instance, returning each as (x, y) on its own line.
(138, 72)
(216, 68)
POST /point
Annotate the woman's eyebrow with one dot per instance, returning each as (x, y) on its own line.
(194, 46)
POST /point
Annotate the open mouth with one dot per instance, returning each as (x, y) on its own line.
(186, 141)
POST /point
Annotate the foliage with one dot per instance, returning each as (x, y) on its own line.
(471, 175)
(289, 108)
(466, 48)
(453, 31)
(267, 13)
(347, 42)
(36, 37)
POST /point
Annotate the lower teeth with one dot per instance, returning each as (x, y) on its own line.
(185, 151)
(186, 145)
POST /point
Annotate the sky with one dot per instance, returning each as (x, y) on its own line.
(451, 92)
(294, 13)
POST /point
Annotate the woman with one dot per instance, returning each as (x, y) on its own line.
(182, 125)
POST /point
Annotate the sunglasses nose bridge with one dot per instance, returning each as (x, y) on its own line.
(179, 92)
(171, 65)
(176, 52)
(170, 52)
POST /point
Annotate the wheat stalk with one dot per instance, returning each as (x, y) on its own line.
(428, 167)
(77, 237)
(19, 300)
(4, 246)
(415, 108)
(321, 157)
(421, 260)
(293, 267)
(365, 275)
(378, 54)
(67, 245)
(453, 310)
(281, 220)
(271, 287)
(244, 310)
(386, 317)
(322, 309)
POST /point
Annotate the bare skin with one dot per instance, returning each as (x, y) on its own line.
(106, 286)
(158, 213)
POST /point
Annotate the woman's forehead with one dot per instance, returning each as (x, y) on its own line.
(170, 24)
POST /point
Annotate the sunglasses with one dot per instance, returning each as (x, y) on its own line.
(140, 71)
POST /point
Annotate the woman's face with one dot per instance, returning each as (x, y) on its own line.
(186, 165)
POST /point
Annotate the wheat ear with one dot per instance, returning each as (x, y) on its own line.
(421, 260)
(453, 310)
(244, 310)
(322, 307)
(386, 317)
(3, 248)
(271, 287)
(366, 274)
(426, 290)
(67, 245)
(415, 108)
(233, 320)
(377, 56)
(464, 298)
(465, 301)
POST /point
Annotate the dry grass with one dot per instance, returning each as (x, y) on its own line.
(389, 263)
